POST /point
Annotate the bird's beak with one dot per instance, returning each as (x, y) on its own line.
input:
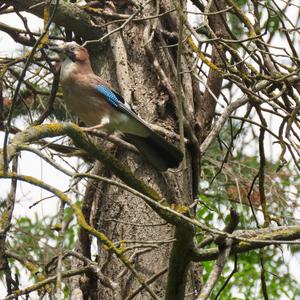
(63, 52)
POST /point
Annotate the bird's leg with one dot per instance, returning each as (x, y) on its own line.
(105, 132)
(104, 122)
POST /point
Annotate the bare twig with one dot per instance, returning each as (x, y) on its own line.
(214, 275)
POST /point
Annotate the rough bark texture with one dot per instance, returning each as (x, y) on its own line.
(116, 212)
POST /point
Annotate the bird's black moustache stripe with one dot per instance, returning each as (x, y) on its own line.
(71, 55)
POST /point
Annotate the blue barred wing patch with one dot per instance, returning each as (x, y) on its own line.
(109, 95)
(118, 102)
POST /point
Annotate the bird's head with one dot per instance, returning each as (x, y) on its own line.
(71, 50)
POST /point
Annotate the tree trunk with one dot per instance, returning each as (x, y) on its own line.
(132, 60)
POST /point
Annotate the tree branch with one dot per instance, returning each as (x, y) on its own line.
(68, 15)
(286, 233)
(224, 252)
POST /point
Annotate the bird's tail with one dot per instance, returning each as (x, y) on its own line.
(159, 152)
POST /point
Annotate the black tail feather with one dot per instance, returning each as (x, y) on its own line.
(159, 152)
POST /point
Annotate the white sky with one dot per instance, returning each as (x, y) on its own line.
(29, 163)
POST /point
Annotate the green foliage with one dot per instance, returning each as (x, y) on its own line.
(226, 186)
(246, 281)
(241, 3)
(36, 240)
(235, 22)
(236, 27)
(228, 177)
(273, 23)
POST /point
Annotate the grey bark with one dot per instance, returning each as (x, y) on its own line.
(119, 214)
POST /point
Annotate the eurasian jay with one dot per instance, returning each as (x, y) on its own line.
(99, 105)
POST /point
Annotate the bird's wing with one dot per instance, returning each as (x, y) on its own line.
(159, 152)
(117, 102)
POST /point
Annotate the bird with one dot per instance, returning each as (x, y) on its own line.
(100, 106)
